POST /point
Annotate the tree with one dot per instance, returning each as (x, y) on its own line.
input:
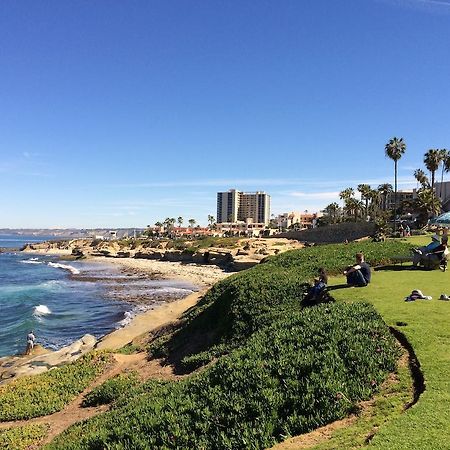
(375, 198)
(432, 159)
(427, 204)
(345, 196)
(180, 221)
(191, 222)
(394, 150)
(211, 220)
(422, 179)
(354, 207)
(333, 211)
(384, 190)
(445, 159)
(365, 192)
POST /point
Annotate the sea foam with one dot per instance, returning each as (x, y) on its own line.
(71, 269)
(41, 310)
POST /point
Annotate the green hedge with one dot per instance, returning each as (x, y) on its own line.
(39, 395)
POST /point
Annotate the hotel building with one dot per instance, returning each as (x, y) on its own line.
(234, 206)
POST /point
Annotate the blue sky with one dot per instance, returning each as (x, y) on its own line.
(118, 113)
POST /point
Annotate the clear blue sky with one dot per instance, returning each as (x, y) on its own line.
(121, 113)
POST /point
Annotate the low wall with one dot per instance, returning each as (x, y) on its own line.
(331, 234)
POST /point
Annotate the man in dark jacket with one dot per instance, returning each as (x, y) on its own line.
(360, 273)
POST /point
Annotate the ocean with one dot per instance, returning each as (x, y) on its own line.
(63, 300)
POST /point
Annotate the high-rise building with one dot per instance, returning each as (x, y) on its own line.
(233, 206)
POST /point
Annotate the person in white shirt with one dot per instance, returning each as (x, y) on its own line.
(30, 343)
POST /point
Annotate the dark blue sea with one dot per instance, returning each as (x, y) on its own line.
(63, 300)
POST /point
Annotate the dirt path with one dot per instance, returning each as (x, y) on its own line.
(74, 412)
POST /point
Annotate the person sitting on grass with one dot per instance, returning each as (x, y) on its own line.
(431, 255)
(316, 292)
(360, 273)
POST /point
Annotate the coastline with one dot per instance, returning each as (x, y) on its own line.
(161, 313)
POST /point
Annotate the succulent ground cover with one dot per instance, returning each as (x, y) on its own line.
(278, 369)
(39, 395)
(22, 438)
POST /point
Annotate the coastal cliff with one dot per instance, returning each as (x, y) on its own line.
(233, 255)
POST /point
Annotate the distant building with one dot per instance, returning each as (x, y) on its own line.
(443, 193)
(234, 206)
(241, 228)
(405, 195)
(297, 220)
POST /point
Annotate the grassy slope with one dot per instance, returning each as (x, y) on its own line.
(426, 425)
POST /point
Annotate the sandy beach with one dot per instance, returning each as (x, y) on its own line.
(168, 310)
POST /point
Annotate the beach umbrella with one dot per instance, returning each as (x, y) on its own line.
(443, 220)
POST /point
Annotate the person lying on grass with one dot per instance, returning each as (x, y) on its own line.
(358, 274)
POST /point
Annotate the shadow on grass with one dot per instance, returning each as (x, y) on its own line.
(395, 268)
(338, 286)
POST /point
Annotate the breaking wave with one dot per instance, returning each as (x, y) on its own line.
(41, 310)
(71, 269)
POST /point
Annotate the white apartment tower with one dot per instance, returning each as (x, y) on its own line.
(233, 206)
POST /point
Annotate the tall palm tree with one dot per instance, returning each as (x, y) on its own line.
(365, 191)
(432, 159)
(384, 190)
(445, 160)
(180, 221)
(191, 222)
(394, 150)
(374, 197)
(354, 207)
(346, 195)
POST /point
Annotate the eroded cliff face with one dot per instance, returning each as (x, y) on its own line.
(244, 254)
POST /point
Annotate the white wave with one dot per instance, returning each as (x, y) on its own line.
(71, 269)
(41, 310)
(32, 261)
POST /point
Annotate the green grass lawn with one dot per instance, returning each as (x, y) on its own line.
(427, 424)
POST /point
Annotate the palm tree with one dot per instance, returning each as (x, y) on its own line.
(354, 207)
(346, 195)
(180, 221)
(365, 191)
(384, 190)
(211, 220)
(374, 197)
(394, 150)
(432, 159)
(191, 222)
(445, 160)
(332, 210)
(422, 179)
(427, 202)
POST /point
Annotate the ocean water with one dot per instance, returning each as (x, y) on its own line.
(63, 300)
